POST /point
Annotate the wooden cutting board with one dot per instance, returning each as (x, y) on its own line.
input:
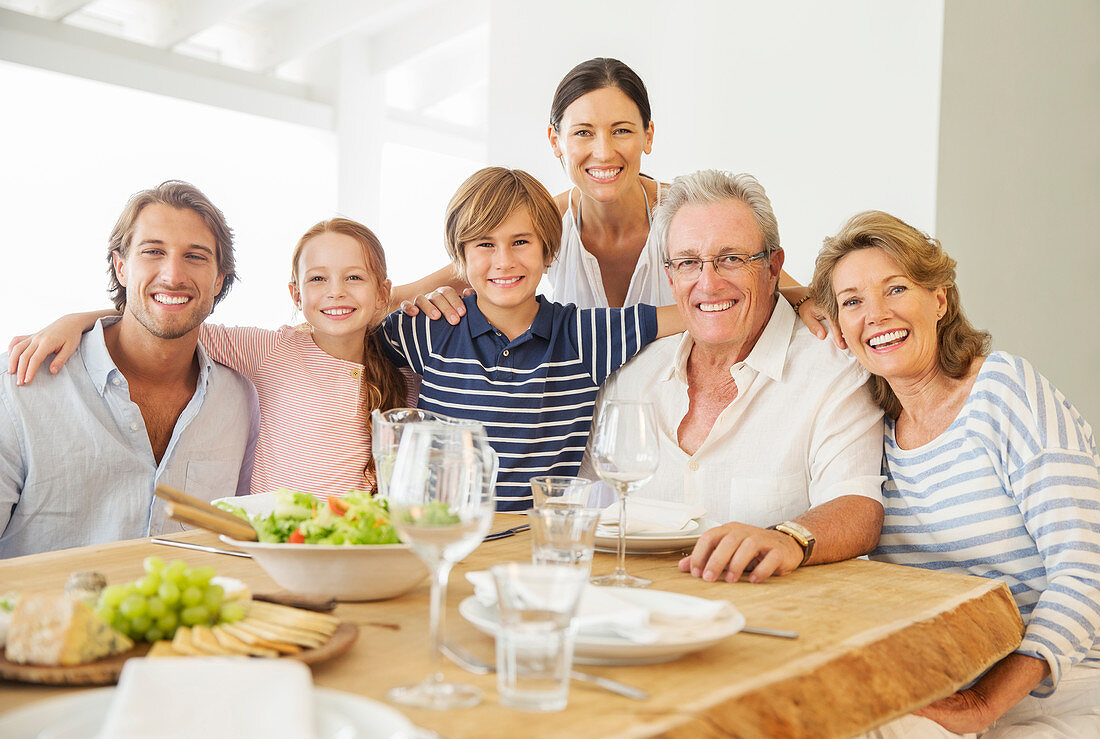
(106, 671)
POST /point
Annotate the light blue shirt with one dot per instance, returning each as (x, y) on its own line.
(76, 465)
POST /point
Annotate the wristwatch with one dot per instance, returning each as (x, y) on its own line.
(800, 534)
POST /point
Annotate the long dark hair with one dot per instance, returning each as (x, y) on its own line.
(596, 74)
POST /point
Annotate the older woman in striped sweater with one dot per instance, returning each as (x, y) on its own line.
(990, 472)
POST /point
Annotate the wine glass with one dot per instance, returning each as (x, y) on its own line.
(624, 450)
(441, 498)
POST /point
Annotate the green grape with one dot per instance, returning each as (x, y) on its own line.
(232, 611)
(195, 615)
(169, 592)
(118, 623)
(112, 595)
(175, 569)
(192, 596)
(152, 565)
(106, 614)
(154, 634)
(213, 597)
(200, 576)
(156, 607)
(148, 585)
(132, 606)
(140, 624)
(168, 623)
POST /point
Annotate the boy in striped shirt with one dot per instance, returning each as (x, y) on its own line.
(527, 368)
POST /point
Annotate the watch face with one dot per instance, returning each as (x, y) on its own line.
(799, 532)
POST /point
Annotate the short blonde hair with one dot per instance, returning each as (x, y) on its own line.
(924, 261)
(487, 198)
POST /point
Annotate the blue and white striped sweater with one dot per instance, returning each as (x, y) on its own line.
(1011, 490)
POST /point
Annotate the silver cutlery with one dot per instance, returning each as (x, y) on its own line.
(507, 532)
(769, 632)
(471, 663)
(199, 547)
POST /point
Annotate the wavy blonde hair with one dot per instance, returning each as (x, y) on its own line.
(924, 261)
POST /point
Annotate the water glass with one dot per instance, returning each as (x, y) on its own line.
(563, 535)
(535, 638)
(560, 490)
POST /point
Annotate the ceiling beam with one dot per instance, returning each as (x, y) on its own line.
(179, 21)
(62, 48)
(55, 10)
(309, 26)
(425, 30)
(446, 138)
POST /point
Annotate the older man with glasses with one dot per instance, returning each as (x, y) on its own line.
(760, 423)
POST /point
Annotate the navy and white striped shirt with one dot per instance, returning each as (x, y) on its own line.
(1011, 490)
(536, 394)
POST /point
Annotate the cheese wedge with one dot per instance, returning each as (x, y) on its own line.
(54, 629)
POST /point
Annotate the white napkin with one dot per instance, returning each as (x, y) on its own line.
(647, 516)
(211, 697)
(603, 613)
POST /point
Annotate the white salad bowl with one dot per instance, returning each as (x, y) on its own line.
(349, 572)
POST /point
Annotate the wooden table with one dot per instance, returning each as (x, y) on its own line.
(877, 641)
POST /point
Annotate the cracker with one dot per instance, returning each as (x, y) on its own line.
(236, 646)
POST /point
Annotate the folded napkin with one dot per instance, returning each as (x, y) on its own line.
(647, 516)
(602, 612)
(211, 697)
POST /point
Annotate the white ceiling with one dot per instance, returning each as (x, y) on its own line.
(279, 58)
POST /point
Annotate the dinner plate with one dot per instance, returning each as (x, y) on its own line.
(673, 641)
(653, 542)
(338, 715)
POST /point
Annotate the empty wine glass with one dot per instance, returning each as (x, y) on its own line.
(441, 498)
(624, 450)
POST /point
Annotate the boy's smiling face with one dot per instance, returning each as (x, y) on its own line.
(504, 267)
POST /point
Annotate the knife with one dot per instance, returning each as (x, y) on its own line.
(198, 547)
(769, 632)
(507, 532)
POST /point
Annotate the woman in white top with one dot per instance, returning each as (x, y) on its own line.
(600, 127)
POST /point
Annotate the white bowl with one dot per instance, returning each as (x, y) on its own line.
(351, 572)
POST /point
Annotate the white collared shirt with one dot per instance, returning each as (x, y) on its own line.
(802, 430)
(575, 275)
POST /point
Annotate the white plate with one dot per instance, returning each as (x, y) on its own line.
(339, 715)
(663, 541)
(674, 642)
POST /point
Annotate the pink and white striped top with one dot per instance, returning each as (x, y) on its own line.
(314, 434)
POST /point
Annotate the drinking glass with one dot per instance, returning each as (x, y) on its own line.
(560, 490)
(624, 450)
(441, 498)
(535, 638)
(564, 535)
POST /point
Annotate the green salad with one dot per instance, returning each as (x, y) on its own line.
(301, 518)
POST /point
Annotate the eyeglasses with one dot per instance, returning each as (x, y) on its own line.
(689, 268)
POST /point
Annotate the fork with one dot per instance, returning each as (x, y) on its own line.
(471, 663)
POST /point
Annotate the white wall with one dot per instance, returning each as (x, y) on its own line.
(1019, 184)
(72, 151)
(833, 106)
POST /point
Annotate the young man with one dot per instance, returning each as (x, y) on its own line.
(82, 450)
(527, 368)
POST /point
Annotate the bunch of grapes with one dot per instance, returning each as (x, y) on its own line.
(167, 597)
